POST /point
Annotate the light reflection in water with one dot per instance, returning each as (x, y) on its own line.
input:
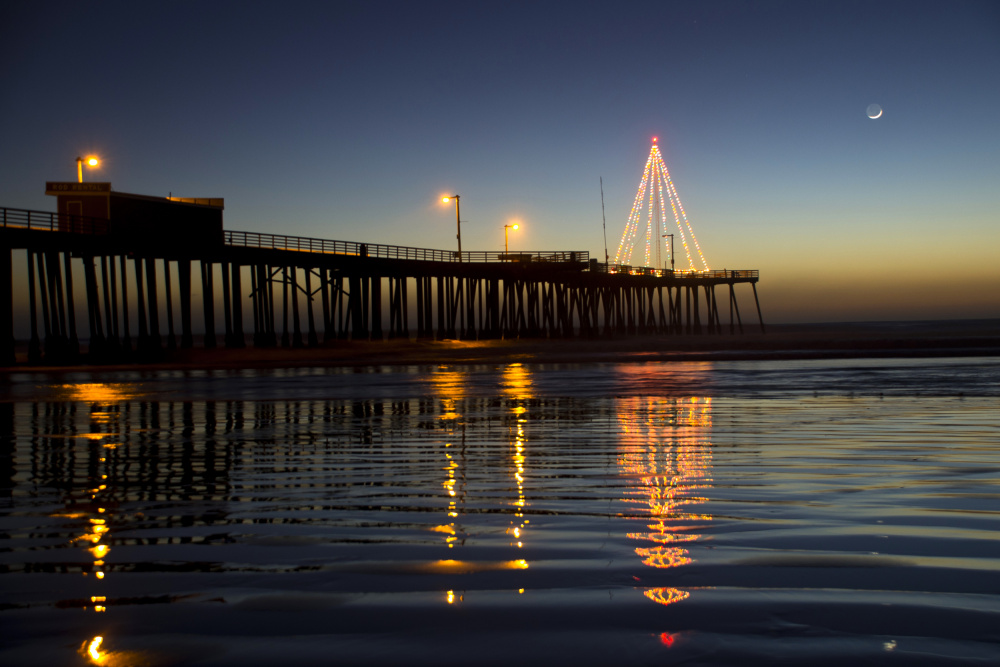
(449, 388)
(517, 386)
(518, 523)
(97, 392)
(517, 382)
(665, 453)
(103, 401)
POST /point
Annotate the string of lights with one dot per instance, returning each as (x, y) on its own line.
(656, 170)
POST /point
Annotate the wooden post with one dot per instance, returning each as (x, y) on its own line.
(324, 295)
(285, 342)
(96, 346)
(108, 308)
(44, 292)
(310, 317)
(168, 292)
(184, 285)
(293, 286)
(6, 307)
(376, 307)
(74, 341)
(227, 308)
(113, 307)
(239, 339)
(255, 302)
(154, 308)
(760, 318)
(208, 302)
(34, 343)
(126, 338)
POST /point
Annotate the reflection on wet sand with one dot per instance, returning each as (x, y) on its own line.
(665, 453)
(89, 500)
(316, 527)
(140, 480)
(517, 387)
(449, 389)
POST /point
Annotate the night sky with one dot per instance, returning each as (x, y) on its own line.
(350, 120)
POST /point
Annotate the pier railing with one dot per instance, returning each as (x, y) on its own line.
(689, 273)
(307, 244)
(80, 224)
(18, 218)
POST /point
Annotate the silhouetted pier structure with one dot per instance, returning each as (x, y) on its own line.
(151, 262)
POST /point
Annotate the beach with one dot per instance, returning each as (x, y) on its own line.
(787, 341)
(536, 502)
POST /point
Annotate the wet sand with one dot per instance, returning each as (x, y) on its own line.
(733, 513)
(783, 341)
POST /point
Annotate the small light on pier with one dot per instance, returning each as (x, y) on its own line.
(91, 161)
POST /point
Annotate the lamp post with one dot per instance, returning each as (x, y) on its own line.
(505, 228)
(458, 223)
(91, 162)
(671, 250)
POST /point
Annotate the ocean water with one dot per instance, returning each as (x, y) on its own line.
(710, 513)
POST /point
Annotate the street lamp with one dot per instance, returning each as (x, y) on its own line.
(505, 228)
(91, 162)
(671, 250)
(458, 223)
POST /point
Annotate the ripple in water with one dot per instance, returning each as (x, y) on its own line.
(514, 513)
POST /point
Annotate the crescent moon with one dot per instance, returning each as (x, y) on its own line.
(873, 111)
(879, 115)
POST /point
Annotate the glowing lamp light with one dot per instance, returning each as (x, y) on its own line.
(91, 161)
(458, 222)
(513, 225)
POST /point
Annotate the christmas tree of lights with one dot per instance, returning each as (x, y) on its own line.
(656, 172)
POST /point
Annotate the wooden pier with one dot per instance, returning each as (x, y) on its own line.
(129, 292)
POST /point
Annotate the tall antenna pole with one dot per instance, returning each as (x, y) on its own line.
(605, 222)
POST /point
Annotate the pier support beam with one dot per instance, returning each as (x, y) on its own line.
(143, 345)
(6, 307)
(312, 340)
(126, 337)
(208, 301)
(168, 292)
(155, 342)
(34, 342)
(239, 338)
(760, 317)
(96, 347)
(227, 305)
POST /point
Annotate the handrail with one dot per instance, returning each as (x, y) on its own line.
(80, 224)
(381, 251)
(20, 218)
(690, 273)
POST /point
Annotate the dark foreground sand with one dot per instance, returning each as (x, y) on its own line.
(788, 341)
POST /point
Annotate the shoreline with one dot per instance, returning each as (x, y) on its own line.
(948, 338)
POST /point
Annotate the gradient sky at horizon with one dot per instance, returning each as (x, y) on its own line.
(350, 120)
